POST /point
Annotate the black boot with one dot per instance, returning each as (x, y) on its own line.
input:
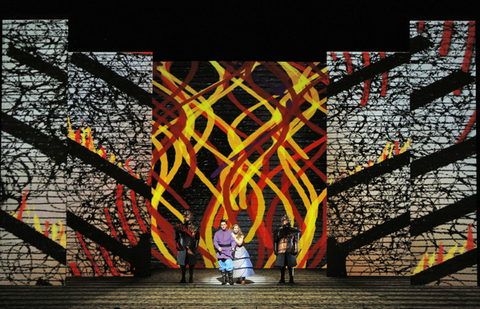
(282, 275)
(230, 277)
(184, 269)
(190, 270)
(290, 273)
(224, 277)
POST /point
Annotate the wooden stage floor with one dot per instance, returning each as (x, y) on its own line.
(312, 289)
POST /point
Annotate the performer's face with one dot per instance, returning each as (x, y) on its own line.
(285, 222)
(187, 217)
(223, 225)
(236, 229)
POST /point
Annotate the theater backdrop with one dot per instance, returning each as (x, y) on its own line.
(102, 151)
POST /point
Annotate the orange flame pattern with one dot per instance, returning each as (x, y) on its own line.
(387, 153)
(85, 138)
(55, 232)
(437, 258)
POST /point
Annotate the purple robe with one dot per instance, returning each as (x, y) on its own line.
(224, 240)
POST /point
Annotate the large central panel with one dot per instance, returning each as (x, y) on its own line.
(244, 141)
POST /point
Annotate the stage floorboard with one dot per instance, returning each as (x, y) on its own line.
(312, 289)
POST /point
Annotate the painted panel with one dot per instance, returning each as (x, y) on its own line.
(444, 168)
(244, 141)
(368, 141)
(109, 119)
(33, 196)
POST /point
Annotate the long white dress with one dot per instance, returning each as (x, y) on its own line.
(242, 266)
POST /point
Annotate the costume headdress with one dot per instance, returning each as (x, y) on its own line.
(286, 217)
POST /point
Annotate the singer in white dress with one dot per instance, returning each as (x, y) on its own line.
(242, 266)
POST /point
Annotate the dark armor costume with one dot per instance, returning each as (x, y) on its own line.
(285, 243)
(186, 240)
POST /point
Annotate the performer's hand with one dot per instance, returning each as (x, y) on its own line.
(219, 249)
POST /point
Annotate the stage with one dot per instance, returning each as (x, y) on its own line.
(312, 289)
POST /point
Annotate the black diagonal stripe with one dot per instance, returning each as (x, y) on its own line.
(446, 268)
(443, 157)
(418, 167)
(33, 237)
(138, 256)
(375, 233)
(440, 88)
(49, 145)
(112, 78)
(444, 215)
(98, 236)
(417, 44)
(37, 63)
(123, 177)
(368, 72)
(368, 174)
(56, 149)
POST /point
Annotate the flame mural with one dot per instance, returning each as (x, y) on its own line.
(129, 222)
(385, 219)
(243, 141)
(438, 257)
(56, 231)
(390, 150)
(444, 207)
(33, 191)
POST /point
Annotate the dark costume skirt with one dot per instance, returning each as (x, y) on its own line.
(285, 259)
(183, 258)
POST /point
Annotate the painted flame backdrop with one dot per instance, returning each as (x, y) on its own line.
(244, 141)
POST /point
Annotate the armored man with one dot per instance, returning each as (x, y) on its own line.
(186, 240)
(225, 245)
(286, 247)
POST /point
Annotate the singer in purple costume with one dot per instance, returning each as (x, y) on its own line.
(225, 245)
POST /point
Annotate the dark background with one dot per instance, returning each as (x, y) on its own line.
(241, 30)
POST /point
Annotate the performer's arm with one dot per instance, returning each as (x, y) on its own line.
(177, 240)
(275, 242)
(239, 241)
(197, 238)
(233, 242)
(215, 243)
(297, 239)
